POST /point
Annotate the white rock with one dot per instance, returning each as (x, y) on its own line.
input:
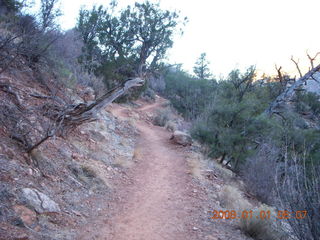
(181, 138)
(39, 201)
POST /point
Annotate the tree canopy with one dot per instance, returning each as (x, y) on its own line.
(128, 41)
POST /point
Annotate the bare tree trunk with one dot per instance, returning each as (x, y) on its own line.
(223, 157)
(74, 115)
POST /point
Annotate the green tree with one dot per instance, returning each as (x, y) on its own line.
(229, 123)
(48, 13)
(128, 42)
(188, 94)
(201, 68)
(10, 6)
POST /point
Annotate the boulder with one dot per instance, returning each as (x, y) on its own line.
(171, 126)
(181, 138)
(39, 201)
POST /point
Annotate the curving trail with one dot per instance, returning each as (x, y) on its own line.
(156, 199)
(157, 205)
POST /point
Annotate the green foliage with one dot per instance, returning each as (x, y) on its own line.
(187, 94)
(48, 13)
(122, 44)
(9, 6)
(201, 68)
(162, 117)
(229, 115)
(230, 123)
(149, 95)
(307, 102)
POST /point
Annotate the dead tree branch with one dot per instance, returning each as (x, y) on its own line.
(311, 59)
(297, 66)
(54, 98)
(289, 92)
(280, 76)
(8, 89)
(74, 115)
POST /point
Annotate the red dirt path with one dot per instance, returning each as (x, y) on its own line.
(157, 205)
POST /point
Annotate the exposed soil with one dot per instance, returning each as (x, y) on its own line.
(156, 202)
(157, 205)
(158, 198)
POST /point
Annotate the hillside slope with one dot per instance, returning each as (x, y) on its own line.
(116, 178)
(166, 194)
(62, 184)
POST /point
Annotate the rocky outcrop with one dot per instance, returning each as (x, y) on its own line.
(39, 201)
(309, 82)
(181, 138)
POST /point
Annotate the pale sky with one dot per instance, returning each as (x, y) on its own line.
(236, 33)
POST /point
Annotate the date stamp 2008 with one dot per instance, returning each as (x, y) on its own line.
(263, 215)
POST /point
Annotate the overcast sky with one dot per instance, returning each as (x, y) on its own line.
(235, 33)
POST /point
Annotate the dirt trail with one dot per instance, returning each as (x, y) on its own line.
(163, 195)
(157, 205)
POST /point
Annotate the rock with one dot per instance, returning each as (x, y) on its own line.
(195, 229)
(181, 138)
(88, 94)
(39, 201)
(76, 156)
(97, 136)
(27, 216)
(171, 126)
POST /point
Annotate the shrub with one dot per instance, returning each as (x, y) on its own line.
(149, 95)
(7, 6)
(298, 188)
(162, 117)
(307, 102)
(231, 198)
(261, 229)
(259, 172)
(255, 227)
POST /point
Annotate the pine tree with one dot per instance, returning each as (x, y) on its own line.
(201, 68)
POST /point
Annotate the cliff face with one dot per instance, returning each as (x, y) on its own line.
(309, 82)
(60, 185)
(313, 83)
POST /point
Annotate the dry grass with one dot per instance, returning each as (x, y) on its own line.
(137, 153)
(223, 172)
(257, 228)
(122, 162)
(166, 104)
(162, 116)
(231, 198)
(195, 166)
(97, 170)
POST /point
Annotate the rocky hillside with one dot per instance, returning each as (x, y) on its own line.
(310, 82)
(60, 185)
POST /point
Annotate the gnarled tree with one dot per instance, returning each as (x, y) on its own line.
(123, 44)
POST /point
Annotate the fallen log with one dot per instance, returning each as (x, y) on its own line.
(74, 115)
